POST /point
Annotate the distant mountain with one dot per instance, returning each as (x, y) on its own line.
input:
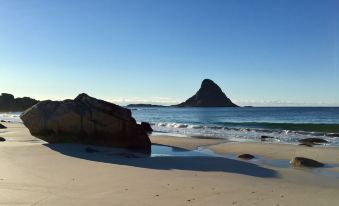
(10, 104)
(209, 95)
(145, 105)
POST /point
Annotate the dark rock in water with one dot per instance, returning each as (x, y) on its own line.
(264, 137)
(2, 126)
(85, 120)
(307, 144)
(302, 161)
(209, 95)
(2, 139)
(333, 135)
(91, 150)
(10, 104)
(313, 140)
(146, 126)
(2, 121)
(246, 156)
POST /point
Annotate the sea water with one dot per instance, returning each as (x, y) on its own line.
(285, 124)
(10, 116)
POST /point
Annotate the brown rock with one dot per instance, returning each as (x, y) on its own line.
(85, 120)
(2, 139)
(246, 156)
(302, 161)
(306, 144)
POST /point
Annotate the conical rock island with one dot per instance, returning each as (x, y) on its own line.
(209, 95)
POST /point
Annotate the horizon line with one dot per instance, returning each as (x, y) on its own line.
(168, 101)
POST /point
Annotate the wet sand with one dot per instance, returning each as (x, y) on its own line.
(35, 173)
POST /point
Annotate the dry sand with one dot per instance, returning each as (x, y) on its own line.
(35, 173)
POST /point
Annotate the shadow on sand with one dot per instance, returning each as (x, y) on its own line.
(204, 163)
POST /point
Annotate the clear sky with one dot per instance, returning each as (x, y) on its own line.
(260, 52)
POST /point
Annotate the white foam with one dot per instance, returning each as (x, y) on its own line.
(195, 126)
(238, 134)
(11, 116)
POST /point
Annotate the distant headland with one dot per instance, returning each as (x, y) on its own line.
(10, 104)
(145, 105)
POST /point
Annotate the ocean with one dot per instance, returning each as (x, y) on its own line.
(285, 124)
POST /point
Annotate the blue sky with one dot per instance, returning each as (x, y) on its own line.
(264, 52)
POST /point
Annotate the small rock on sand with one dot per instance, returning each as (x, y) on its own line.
(302, 161)
(306, 144)
(246, 156)
(2, 126)
(2, 139)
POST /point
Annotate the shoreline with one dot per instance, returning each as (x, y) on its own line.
(242, 131)
(269, 150)
(225, 140)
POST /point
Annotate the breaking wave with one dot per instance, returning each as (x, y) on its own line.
(249, 131)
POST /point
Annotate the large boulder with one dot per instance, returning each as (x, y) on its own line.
(21, 104)
(209, 95)
(85, 120)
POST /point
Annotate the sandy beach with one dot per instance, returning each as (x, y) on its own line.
(169, 103)
(36, 173)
